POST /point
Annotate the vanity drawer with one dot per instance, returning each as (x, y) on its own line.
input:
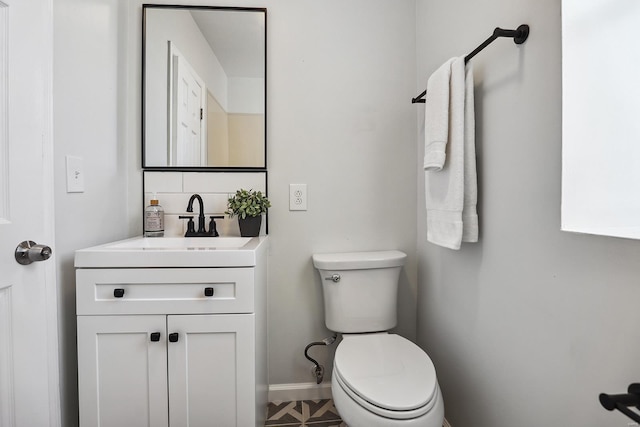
(164, 291)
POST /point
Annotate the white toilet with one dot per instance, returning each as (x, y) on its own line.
(379, 379)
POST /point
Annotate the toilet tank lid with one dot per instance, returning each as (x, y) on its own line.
(359, 260)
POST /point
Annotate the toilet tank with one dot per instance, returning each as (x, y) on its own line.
(360, 289)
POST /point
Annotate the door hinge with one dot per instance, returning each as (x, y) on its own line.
(201, 113)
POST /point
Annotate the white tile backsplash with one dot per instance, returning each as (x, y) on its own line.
(166, 182)
(176, 203)
(223, 182)
(174, 189)
(173, 226)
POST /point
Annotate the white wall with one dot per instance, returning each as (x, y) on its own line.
(90, 108)
(340, 78)
(246, 95)
(529, 325)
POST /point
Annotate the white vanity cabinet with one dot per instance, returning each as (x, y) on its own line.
(172, 347)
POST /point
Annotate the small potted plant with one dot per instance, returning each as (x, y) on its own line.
(249, 206)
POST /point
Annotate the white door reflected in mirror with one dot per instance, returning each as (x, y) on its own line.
(187, 143)
(600, 117)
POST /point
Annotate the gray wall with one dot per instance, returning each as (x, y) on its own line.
(529, 325)
(341, 76)
(90, 107)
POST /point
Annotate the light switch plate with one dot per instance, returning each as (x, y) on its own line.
(297, 197)
(75, 174)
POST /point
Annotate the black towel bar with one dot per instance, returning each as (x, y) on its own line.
(518, 35)
(621, 402)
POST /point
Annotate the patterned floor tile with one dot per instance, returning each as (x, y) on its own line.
(319, 410)
(284, 413)
(311, 413)
(305, 413)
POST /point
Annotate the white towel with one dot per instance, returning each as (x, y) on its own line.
(436, 131)
(445, 185)
(469, 212)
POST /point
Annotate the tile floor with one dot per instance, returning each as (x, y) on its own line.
(306, 413)
(303, 413)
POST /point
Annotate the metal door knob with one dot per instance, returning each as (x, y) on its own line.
(28, 252)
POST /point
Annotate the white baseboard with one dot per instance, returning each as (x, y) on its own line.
(299, 391)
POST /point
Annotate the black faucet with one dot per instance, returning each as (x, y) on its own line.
(213, 231)
(202, 230)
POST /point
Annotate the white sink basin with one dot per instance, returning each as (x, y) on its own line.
(172, 252)
(181, 243)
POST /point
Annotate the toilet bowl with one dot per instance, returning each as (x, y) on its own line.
(379, 379)
(385, 380)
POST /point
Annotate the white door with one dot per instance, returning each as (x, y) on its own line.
(29, 395)
(123, 371)
(211, 370)
(188, 145)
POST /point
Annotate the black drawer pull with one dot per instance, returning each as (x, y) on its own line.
(173, 337)
(118, 293)
(155, 336)
(208, 292)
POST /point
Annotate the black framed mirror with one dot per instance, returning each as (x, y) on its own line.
(204, 87)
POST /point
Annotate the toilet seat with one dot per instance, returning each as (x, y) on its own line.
(386, 374)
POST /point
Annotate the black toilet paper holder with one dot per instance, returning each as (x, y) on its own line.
(622, 402)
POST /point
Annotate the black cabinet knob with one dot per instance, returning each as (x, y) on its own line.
(118, 293)
(208, 292)
(155, 336)
(173, 337)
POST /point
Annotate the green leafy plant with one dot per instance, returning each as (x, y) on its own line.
(247, 203)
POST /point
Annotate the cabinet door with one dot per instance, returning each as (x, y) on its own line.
(122, 374)
(212, 370)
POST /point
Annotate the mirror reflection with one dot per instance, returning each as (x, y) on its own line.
(204, 87)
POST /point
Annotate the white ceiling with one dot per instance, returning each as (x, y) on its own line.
(237, 38)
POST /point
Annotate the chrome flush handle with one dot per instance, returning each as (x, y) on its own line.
(335, 278)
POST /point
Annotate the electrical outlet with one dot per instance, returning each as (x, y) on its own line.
(297, 197)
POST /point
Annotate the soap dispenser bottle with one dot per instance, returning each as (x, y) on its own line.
(154, 219)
